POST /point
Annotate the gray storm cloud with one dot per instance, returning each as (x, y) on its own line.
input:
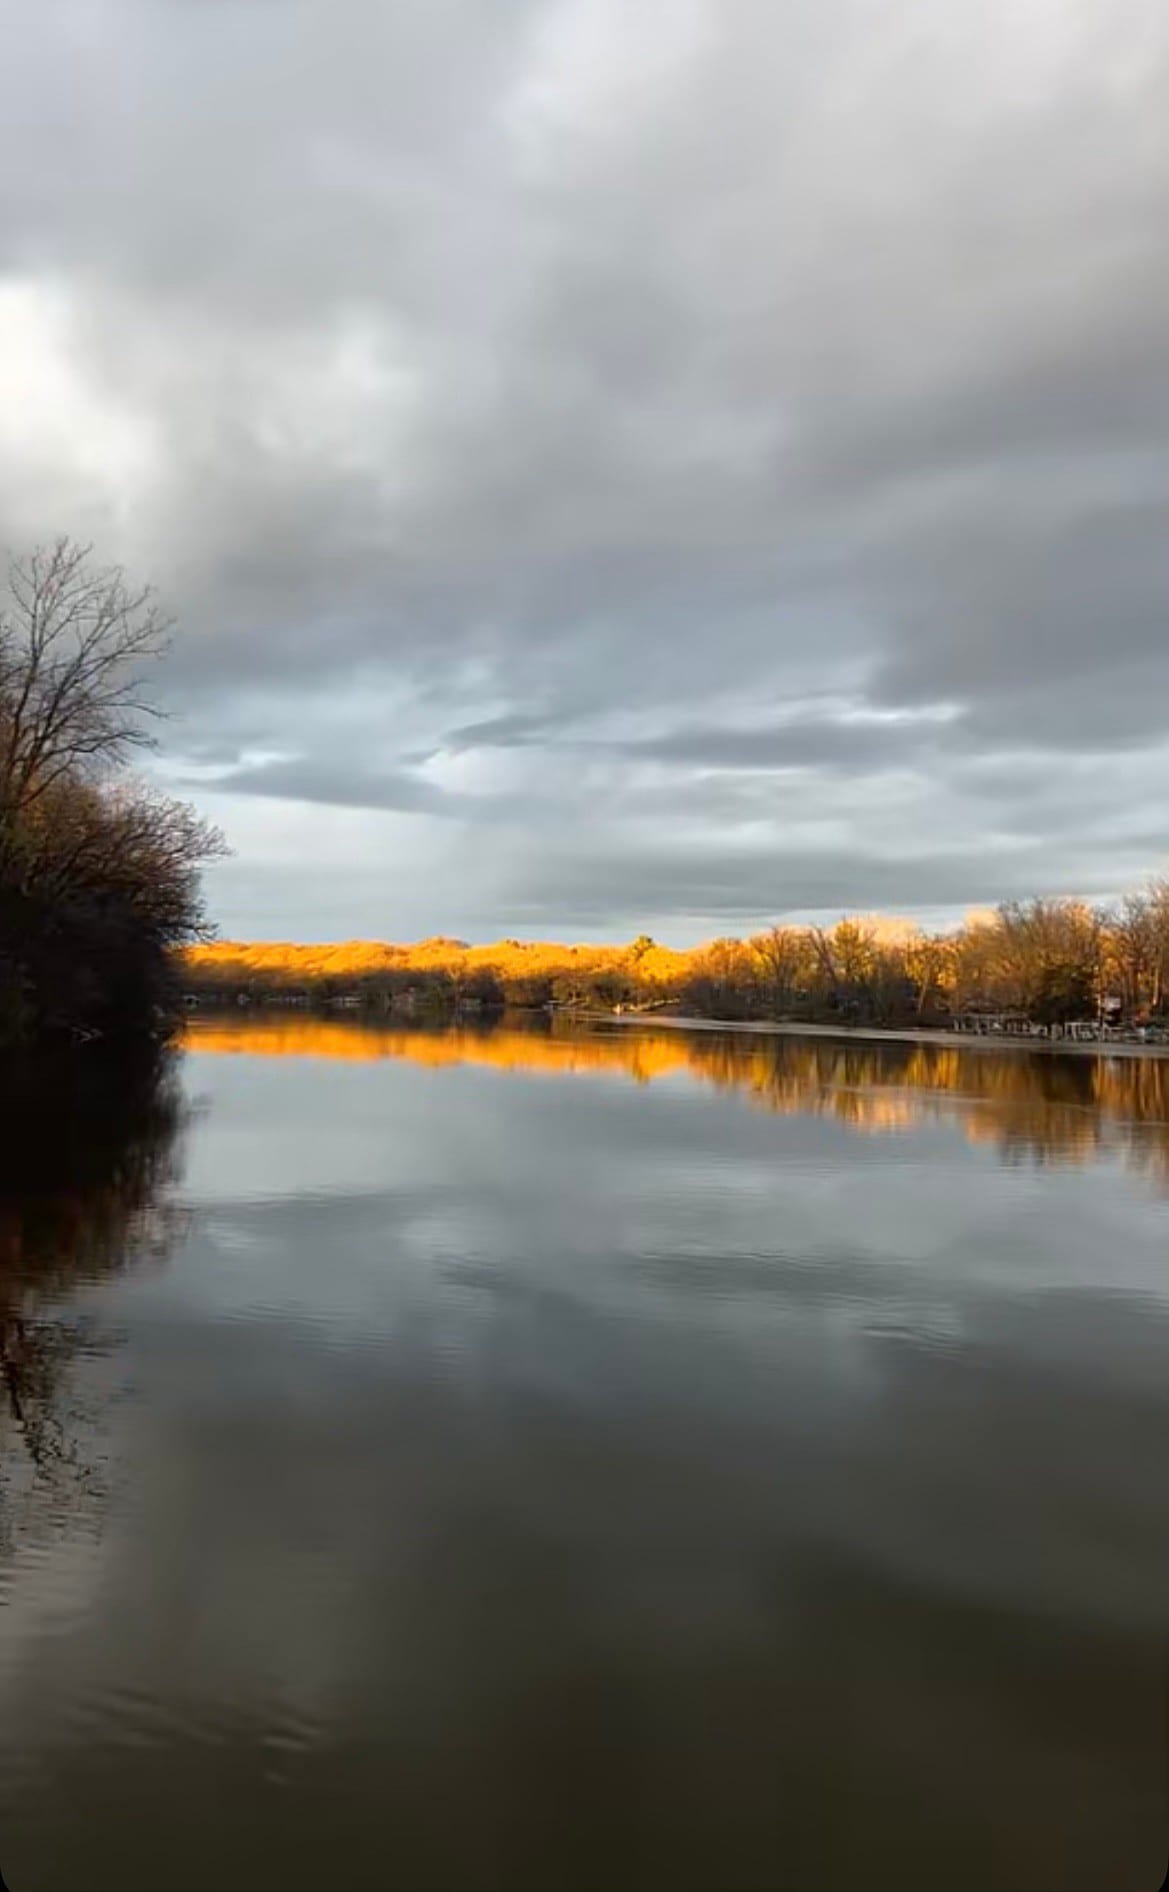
(667, 465)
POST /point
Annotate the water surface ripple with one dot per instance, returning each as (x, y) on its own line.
(585, 1457)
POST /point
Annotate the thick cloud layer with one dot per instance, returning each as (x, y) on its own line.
(662, 466)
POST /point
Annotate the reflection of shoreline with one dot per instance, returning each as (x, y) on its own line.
(86, 1164)
(902, 1034)
(1041, 1108)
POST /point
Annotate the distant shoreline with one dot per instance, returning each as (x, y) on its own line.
(908, 1034)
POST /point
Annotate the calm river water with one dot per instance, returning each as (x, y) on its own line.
(620, 1459)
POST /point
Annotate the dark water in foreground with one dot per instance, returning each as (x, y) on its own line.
(604, 1461)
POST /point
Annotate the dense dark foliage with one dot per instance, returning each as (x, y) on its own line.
(99, 876)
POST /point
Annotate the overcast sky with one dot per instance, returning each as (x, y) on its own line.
(616, 464)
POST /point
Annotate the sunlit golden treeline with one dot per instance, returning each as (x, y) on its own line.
(1035, 1108)
(1051, 961)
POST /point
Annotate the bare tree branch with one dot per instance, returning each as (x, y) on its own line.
(74, 641)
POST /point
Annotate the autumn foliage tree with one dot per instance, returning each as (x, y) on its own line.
(99, 876)
(1052, 961)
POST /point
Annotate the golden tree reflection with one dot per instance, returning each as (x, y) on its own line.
(1030, 1105)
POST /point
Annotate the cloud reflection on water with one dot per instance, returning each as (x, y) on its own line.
(1032, 1106)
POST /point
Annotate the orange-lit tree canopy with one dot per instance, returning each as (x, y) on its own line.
(1050, 960)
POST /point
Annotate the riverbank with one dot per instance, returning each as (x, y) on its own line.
(908, 1034)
